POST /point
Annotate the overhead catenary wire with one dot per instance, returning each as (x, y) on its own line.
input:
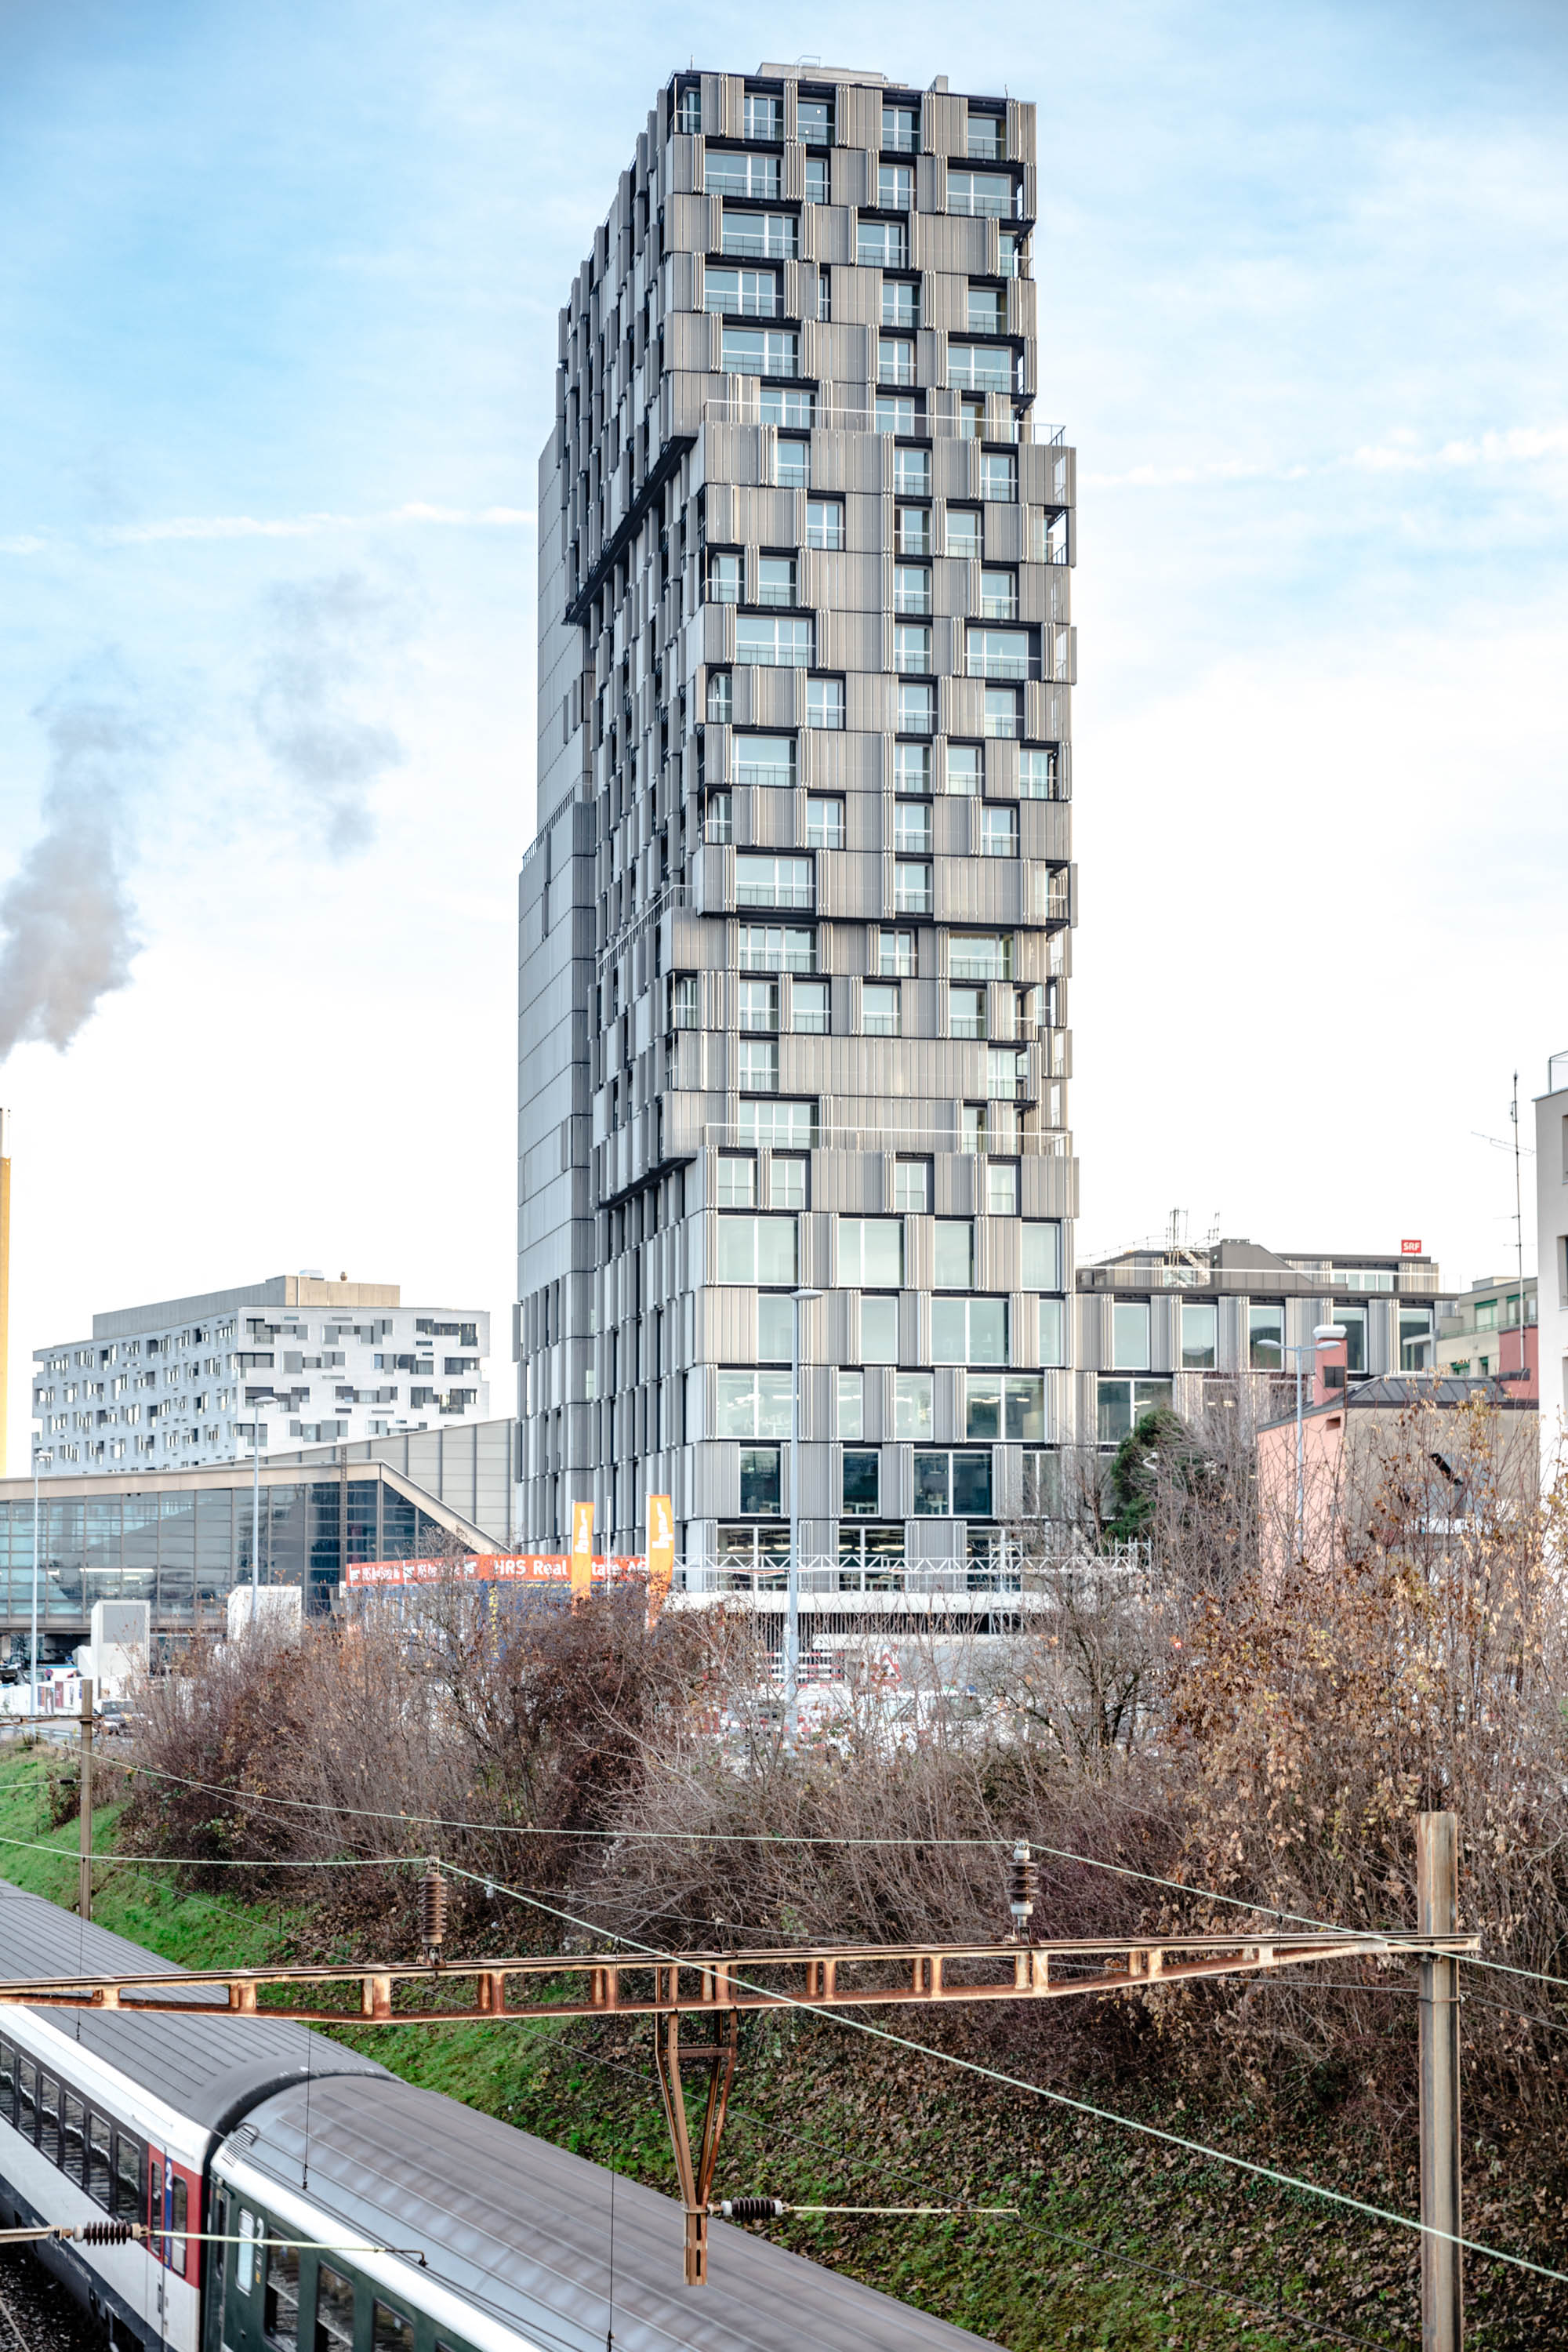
(1277, 2313)
(1339, 2197)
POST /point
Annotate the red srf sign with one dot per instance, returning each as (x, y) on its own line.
(1409, 1249)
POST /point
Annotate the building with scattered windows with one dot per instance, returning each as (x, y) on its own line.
(795, 938)
(1170, 1324)
(1552, 1258)
(1492, 1332)
(294, 1361)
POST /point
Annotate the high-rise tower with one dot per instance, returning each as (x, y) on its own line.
(795, 931)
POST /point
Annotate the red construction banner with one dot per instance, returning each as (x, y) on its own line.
(489, 1567)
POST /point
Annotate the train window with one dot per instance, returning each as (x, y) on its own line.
(334, 2312)
(128, 2153)
(280, 2306)
(245, 2269)
(179, 2208)
(218, 2258)
(155, 2208)
(8, 2081)
(50, 2117)
(75, 2141)
(390, 2332)
(28, 2099)
(100, 2177)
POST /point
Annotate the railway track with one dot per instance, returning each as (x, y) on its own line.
(36, 2314)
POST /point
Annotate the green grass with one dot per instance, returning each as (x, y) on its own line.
(820, 2116)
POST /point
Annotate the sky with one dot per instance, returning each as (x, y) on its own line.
(277, 302)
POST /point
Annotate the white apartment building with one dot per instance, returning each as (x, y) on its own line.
(294, 1361)
(1552, 1242)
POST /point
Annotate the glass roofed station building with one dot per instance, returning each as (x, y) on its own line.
(795, 931)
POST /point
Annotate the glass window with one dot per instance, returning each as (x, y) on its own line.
(912, 889)
(718, 820)
(99, 2172)
(825, 702)
(814, 121)
(817, 179)
(912, 767)
(794, 408)
(999, 477)
(8, 2081)
(1130, 1335)
(879, 1331)
(1042, 1255)
(1200, 1335)
(911, 590)
(334, 2311)
(825, 522)
(764, 947)
(824, 824)
(911, 828)
(987, 194)
(720, 699)
(912, 1186)
(775, 1314)
(987, 310)
(851, 1404)
(914, 1408)
(895, 955)
(1053, 1331)
(741, 175)
(912, 531)
(917, 708)
(981, 955)
(1037, 774)
(754, 1404)
(780, 1126)
(688, 111)
(964, 770)
(999, 595)
(50, 2117)
(791, 464)
(1013, 260)
(725, 578)
(249, 2229)
(759, 1005)
(999, 832)
(760, 1480)
(759, 1066)
(862, 1482)
(280, 2302)
(987, 139)
(809, 1008)
(772, 236)
(1414, 1338)
(1122, 1403)
(901, 129)
(900, 302)
(390, 2332)
(128, 2156)
(966, 1012)
(969, 1330)
(954, 1258)
(758, 1249)
(1005, 1404)
(882, 245)
(1002, 1187)
(911, 468)
(737, 1180)
(1266, 1339)
(775, 579)
(871, 1251)
(763, 116)
(765, 761)
(775, 643)
(879, 1010)
(963, 532)
(1003, 713)
(740, 293)
(74, 2153)
(762, 880)
(895, 187)
(1353, 1319)
(896, 365)
(955, 1484)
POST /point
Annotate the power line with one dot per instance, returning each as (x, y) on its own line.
(1063, 2098)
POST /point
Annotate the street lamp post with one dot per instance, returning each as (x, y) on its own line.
(792, 1597)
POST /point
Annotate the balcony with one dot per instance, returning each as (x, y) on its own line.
(755, 303)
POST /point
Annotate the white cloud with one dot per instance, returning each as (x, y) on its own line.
(311, 526)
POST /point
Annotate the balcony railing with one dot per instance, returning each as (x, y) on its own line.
(762, 305)
(774, 894)
(841, 419)
(1035, 1143)
(777, 242)
(1003, 665)
(913, 601)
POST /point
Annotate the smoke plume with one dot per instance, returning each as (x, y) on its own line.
(66, 935)
(324, 635)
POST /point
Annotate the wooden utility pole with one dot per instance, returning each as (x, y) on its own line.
(1442, 2264)
(84, 1868)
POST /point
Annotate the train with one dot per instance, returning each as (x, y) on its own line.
(296, 2197)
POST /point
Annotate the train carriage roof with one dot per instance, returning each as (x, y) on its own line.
(522, 2230)
(209, 2070)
